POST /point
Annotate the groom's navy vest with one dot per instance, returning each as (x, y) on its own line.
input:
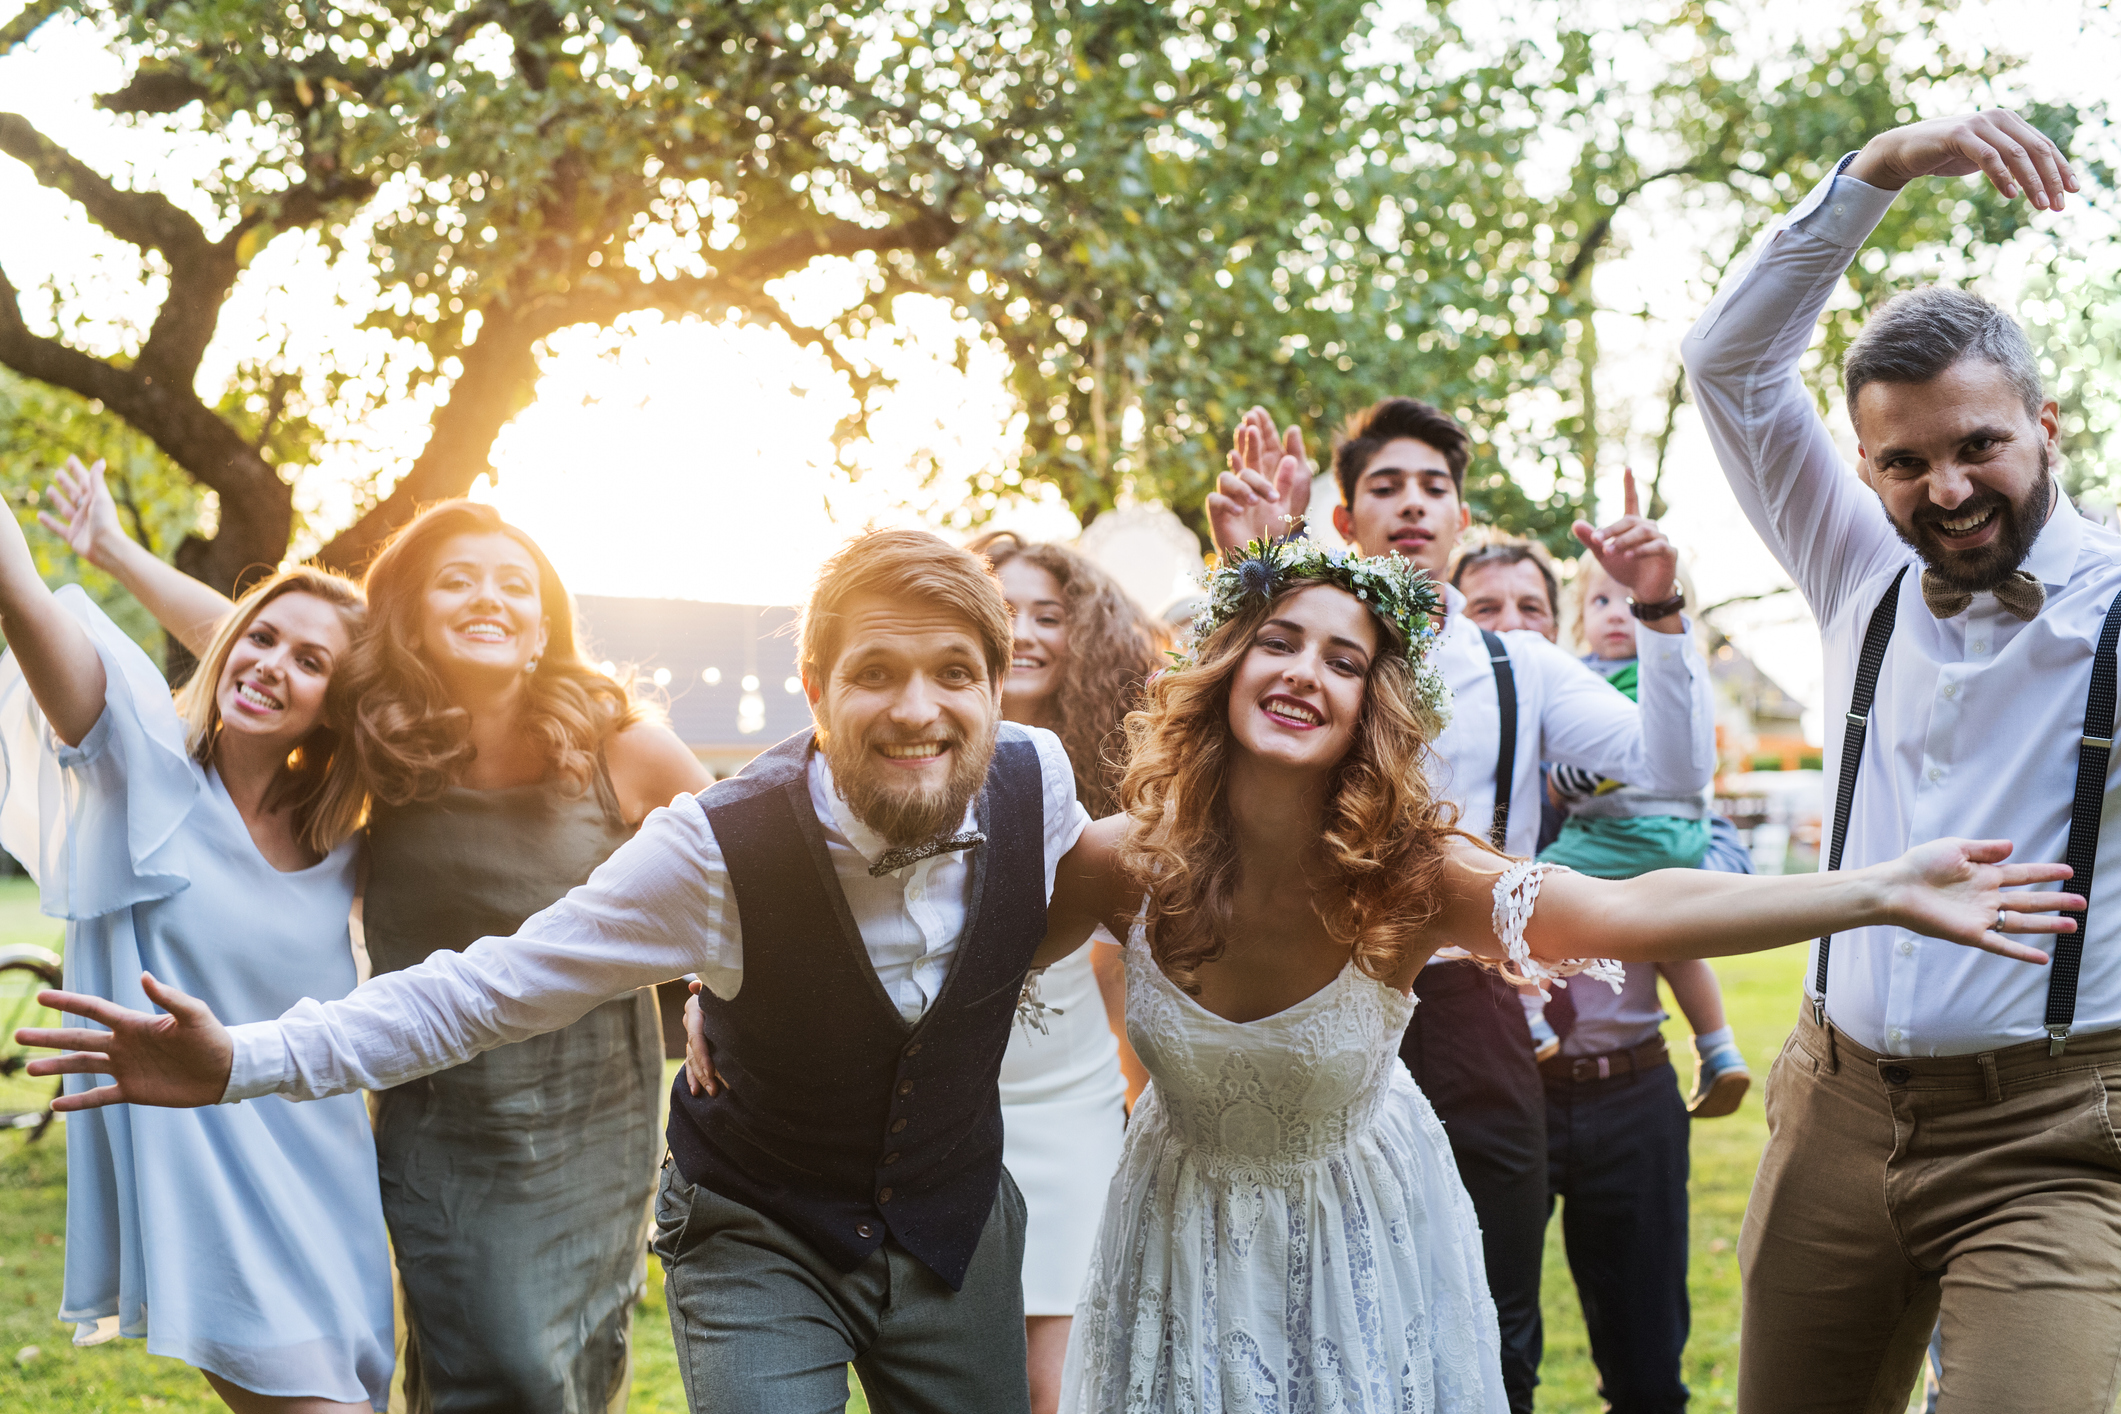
(836, 1118)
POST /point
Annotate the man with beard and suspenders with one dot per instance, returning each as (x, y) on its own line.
(1516, 700)
(1940, 1138)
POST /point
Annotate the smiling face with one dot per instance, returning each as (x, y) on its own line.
(1962, 468)
(273, 684)
(1405, 503)
(1039, 644)
(1503, 596)
(1297, 695)
(1608, 627)
(906, 716)
(482, 615)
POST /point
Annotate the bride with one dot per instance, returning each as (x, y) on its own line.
(1287, 1230)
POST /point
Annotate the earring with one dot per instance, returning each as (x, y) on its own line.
(531, 666)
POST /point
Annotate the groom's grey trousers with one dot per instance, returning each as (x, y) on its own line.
(765, 1325)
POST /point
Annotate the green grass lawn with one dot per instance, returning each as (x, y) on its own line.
(41, 1370)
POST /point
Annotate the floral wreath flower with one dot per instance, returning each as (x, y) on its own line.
(1388, 585)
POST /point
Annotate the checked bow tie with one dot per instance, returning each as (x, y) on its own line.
(2022, 594)
(893, 860)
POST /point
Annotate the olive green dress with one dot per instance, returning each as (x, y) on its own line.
(516, 1185)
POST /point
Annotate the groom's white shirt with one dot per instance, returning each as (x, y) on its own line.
(658, 908)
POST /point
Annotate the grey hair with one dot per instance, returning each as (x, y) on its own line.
(1917, 335)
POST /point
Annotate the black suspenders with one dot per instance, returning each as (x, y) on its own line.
(1506, 753)
(1875, 638)
(2082, 852)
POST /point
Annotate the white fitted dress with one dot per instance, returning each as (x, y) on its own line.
(1064, 1114)
(242, 1239)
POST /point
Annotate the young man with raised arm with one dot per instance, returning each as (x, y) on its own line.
(1401, 466)
(1939, 1127)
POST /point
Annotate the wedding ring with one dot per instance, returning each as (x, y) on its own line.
(1999, 920)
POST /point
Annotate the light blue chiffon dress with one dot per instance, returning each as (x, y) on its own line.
(246, 1239)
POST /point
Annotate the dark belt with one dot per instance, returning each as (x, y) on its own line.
(1579, 1069)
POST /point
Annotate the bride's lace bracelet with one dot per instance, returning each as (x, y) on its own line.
(1516, 894)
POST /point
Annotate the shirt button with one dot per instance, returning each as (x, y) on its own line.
(891, 1158)
(1907, 947)
(883, 1195)
(865, 1229)
(1979, 645)
(897, 1125)
(1893, 1035)
(905, 1087)
(1951, 689)
(1935, 774)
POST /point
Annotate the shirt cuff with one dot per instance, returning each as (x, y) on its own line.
(261, 1065)
(1664, 647)
(1841, 210)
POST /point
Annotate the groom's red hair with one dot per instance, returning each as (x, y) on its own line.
(913, 567)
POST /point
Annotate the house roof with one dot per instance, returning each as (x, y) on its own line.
(709, 651)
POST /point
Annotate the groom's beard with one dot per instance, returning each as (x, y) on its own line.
(1985, 566)
(907, 814)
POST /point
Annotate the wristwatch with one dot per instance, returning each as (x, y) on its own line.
(1663, 608)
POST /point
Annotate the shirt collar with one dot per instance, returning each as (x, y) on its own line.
(2053, 557)
(866, 842)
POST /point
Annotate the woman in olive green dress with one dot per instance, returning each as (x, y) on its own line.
(501, 770)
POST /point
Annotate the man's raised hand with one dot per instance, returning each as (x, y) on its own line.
(2013, 154)
(1267, 488)
(1633, 550)
(180, 1060)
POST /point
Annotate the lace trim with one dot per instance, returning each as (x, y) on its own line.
(1516, 894)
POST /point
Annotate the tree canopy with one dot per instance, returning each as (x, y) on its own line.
(1162, 212)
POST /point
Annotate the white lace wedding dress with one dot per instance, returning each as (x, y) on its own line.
(1287, 1230)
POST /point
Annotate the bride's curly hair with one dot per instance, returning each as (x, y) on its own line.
(414, 740)
(1384, 831)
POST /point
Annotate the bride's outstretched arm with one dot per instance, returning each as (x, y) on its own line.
(87, 521)
(1958, 890)
(1088, 889)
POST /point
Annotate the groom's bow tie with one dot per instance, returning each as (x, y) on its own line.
(2022, 594)
(893, 860)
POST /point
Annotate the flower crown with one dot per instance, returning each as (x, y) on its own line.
(1387, 585)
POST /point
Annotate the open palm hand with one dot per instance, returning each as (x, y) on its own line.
(87, 516)
(180, 1060)
(1964, 892)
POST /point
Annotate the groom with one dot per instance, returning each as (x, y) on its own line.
(861, 905)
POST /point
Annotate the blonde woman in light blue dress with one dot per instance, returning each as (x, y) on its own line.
(209, 840)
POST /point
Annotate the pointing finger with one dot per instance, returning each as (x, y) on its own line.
(1630, 500)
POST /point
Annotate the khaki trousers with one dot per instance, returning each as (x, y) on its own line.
(1987, 1187)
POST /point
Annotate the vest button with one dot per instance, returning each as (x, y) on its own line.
(905, 1087)
(883, 1195)
(914, 1049)
(865, 1229)
(897, 1125)
(892, 1157)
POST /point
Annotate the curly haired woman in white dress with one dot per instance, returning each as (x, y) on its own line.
(1287, 1230)
(1082, 651)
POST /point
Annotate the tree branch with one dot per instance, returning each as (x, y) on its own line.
(23, 25)
(146, 219)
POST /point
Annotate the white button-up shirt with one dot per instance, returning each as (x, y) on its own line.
(1567, 713)
(660, 907)
(1976, 724)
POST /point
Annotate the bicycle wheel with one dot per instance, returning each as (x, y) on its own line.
(25, 1100)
